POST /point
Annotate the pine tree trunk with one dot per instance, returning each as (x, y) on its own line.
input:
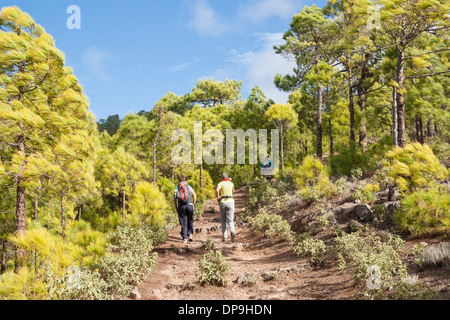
(430, 128)
(362, 107)
(36, 208)
(80, 211)
(394, 117)
(319, 124)
(400, 79)
(63, 219)
(351, 106)
(294, 149)
(422, 140)
(417, 128)
(124, 209)
(3, 258)
(154, 163)
(282, 151)
(21, 222)
(201, 175)
(331, 136)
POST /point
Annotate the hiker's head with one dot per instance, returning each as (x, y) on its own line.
(181, 177)
(224, 175)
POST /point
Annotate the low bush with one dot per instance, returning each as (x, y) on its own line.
(367, 254)
(425, 212)
(351, 157)
(312, 179)
(212, 269)
(271, 226)
(414, 167)
(307, 247)
(437, 255)
(366, 193)
(130, 259)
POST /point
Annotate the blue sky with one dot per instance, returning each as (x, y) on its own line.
(129, 54)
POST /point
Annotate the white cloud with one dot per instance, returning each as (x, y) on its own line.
(257, 67)
(261, 66)
(259, 10)
(184, 65)
(205, 20)
(95, 60)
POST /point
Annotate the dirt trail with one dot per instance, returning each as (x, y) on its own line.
(278, 272)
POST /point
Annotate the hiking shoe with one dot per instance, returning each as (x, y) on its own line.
(190, 238)
(224, 239)
(185, 241)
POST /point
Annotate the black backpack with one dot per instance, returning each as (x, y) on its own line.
(184, 194)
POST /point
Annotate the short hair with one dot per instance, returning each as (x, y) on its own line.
(224, 175)
(181, 177)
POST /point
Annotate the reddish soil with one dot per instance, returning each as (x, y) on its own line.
(173, 277)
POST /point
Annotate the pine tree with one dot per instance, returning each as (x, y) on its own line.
(306, 43)
(35, 89)
(404, 21)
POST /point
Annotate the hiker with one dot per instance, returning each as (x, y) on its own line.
(225, 198)
(184, 201)
(266, 168)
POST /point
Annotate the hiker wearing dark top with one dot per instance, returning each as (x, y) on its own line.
(267, 168)
(184, 201)
(225, 198)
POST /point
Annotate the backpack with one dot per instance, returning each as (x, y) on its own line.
(267, 164)
(184, 194)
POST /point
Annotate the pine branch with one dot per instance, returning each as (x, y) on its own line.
(422, 54)
(427, 75)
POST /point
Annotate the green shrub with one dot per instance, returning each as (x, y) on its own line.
(209, 245)
(199, 208)
(307, 247)
(147, 205)
(312, 179)
(271, 226)
(340, 185)
(361, 254)
(416, 291)
(366, 193)
(425, 212)
(212, 269)
(130, 260)
(414, 167)
(261, 192)
(351, 157)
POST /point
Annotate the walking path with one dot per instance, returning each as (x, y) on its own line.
(261, 268)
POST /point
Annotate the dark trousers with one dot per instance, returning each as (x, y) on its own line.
(186, 218)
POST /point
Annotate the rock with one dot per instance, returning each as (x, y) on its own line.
(247, 279)
(241, 223)
(345, 208)
(364, 213)
(156, 294)
(277, 296)
(293, 270)
(201, 230)
(169, 227)
(135, 294)
(354, 226)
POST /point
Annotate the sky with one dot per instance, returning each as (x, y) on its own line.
(127, 55)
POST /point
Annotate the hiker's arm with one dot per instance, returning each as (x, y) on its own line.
(194, 196)
(218, 193)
